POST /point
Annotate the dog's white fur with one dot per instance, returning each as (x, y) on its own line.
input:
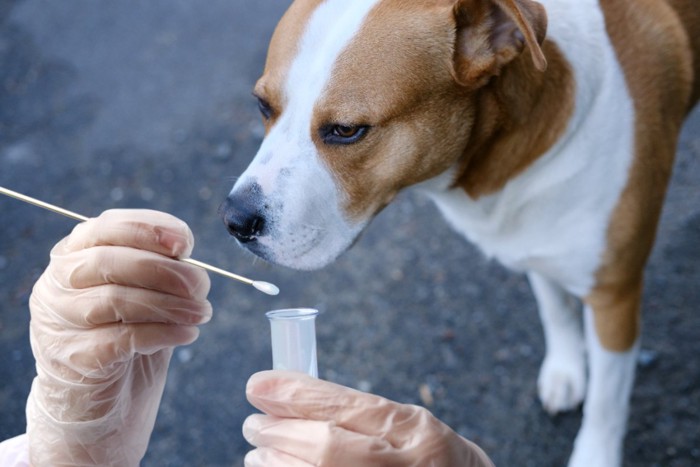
(551, 220)
(311, 230)
(549, 232)
(553, 217)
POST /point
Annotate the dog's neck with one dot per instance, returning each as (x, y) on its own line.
(518, 116)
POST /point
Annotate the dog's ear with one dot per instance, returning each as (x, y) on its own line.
(491, 33)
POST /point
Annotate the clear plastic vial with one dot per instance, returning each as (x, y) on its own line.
(293, 335)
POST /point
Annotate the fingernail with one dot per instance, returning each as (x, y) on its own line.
(251, 426)
(70, 242)
(175, 243)
(206, 314)
(252, 459)
(193, 334)
(251, 384)
(263, 383)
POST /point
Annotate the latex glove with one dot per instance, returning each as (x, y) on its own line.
(14, 452)
(105, 316)
(311, 422)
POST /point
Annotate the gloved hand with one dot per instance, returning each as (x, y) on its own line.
(105, 316)
(311, 422)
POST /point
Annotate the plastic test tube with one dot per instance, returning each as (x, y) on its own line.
(293, 333)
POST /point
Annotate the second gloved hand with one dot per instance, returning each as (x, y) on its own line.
(311, 422)
(105, 316)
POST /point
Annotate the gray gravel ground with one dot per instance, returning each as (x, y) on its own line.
(109, 104)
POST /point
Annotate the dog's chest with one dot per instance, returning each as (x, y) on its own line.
(553, 217)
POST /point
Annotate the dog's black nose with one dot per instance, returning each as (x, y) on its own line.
(242, 218)
(245, 228)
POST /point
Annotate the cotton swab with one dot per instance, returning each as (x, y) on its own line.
(262, 286)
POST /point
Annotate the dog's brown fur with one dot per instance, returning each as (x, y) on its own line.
(658, 45)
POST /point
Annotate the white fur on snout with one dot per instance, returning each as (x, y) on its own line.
(306, 226)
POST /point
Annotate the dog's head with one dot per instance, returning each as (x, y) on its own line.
(361, 99)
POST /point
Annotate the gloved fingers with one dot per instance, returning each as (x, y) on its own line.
(320, 443)
(116, 303)
(288, 394)
(98, 387)
(137, 228)
(363, 428)
(268, 457)
(112, 303)
(100, 352)
(130, 267)
(120, 342)
(147, 339)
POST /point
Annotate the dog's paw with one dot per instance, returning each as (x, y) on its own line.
(562, 384)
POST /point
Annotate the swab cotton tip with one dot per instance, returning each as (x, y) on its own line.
(266, 287)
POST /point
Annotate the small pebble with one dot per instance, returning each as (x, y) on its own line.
(647, 357)
(448, 335)
(426, 395)
(19, 153)
(205, 193)
(396, 274)
(223, 151)
(147, 194)
(364, 386)
(184, 355)
(117, 194)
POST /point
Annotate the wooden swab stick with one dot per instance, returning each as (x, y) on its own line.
(262, 286)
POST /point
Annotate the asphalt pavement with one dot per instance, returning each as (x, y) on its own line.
(107, 104)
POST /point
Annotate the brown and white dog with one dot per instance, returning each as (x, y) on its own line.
(545, 133)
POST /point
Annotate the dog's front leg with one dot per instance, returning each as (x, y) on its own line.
(562, 381)
(599, 442)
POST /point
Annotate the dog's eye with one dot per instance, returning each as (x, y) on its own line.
(343, 134)
(342, 131)
(265, 108)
